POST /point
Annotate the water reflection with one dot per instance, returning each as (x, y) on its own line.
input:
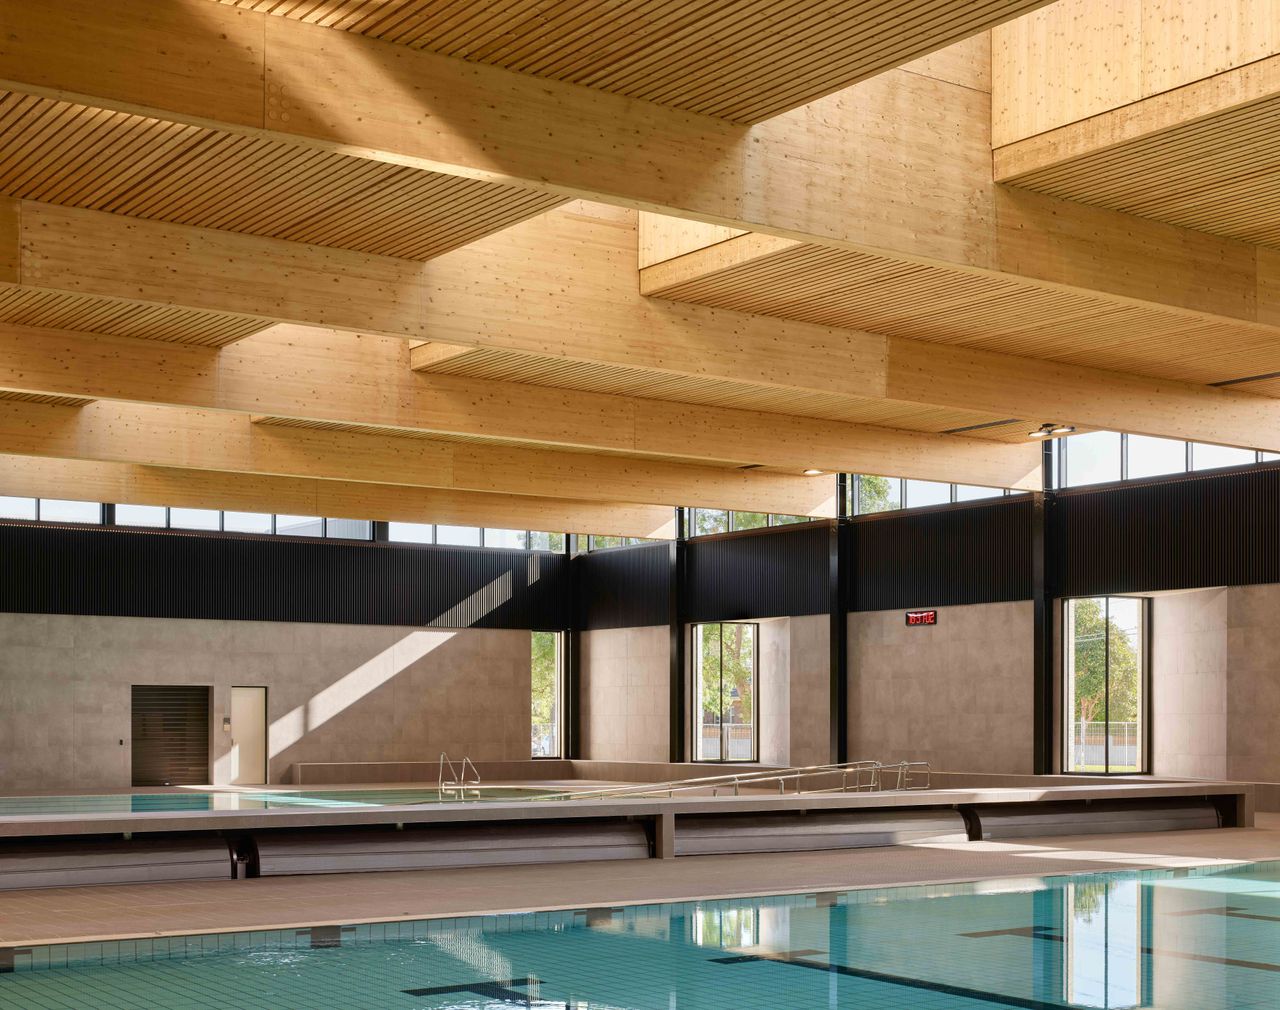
(1191, 939)
(1105, 960)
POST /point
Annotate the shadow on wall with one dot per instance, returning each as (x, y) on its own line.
(465, 691)
(343, 696)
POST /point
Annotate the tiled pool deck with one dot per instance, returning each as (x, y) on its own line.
(68, 915)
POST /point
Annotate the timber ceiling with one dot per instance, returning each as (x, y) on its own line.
(1218, 174)
(512, 366)
(836, 287)
(77, 156)
(61, 311)
(741, 60)
(57, 401)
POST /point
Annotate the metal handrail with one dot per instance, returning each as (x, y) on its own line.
(868, 776)
(456, 781)
(907, 776)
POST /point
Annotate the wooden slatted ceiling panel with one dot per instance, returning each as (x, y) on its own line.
(540, 371)
(57, 401)
(858, 291)
(1220, 174)
(28, 307)
(434, 436)
(73, 155)
(741, 60)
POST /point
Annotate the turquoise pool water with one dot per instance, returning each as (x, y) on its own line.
(1202, 939)
(139, 803)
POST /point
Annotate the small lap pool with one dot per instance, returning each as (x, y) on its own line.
(177, 802)
(1188, 939)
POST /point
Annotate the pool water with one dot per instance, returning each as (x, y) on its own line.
(1199, 939)
(139, 803)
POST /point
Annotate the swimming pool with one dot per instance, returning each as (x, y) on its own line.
(177, 802)
(1190, 939)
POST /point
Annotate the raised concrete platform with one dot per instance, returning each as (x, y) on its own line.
(99, 846)
(1235, 800)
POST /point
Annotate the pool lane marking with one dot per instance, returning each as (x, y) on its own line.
(946, 989)
(774, 955)
(1230, 912)
(1034, 932)
(496, 989)
(1052, 933)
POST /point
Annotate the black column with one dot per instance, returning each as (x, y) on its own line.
(678, 547)
(1043, 603)
(571, 689)
(838, 569)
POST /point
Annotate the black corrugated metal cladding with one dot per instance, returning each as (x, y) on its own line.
(1184, 533)
(49, 569)
(778, 572)
(980, 553)
(624, 587)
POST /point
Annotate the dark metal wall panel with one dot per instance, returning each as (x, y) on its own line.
(60, 570)
(1182, 533)
(624, 587)
(979, 553)
(170, 735)
(779, 572)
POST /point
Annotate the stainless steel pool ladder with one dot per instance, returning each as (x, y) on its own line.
(854, 776)
(458, 779)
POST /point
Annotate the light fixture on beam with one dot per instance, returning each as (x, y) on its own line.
(1049, 429)
(813, 473)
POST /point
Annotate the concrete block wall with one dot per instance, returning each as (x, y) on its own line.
(773, 706)
(809, 695)
(624, 676)
(335, 692)
(1215, 683)
(1253, 683)
(1189, 684)
(958, 694)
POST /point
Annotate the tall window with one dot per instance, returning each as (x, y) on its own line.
(546, 677)
(724, 692)
(1105, 682)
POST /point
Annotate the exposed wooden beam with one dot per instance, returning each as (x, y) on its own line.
(329, 376)
(1201, 156)
(79, 156)
(834, 287)
(126, 483)
(1076, 59)
(218, 440)
(851, 170)
(533, 289)
(734, 59)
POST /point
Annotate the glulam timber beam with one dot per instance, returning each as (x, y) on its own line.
(217, 440)
(733, 59)
(899, 164)
(811, 283)
(133, 484)
(341, 378)
(564, 285)
(1181, 130)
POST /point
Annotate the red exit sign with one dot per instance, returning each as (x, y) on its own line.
(922, 617)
